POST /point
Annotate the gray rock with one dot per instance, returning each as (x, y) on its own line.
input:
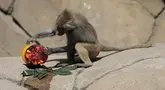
(159, 30)
(7, 85)
(137, 69)
(12, 37)
(38, 18)
(3, 53)
(141, 75)
(119, 23)
(5, 4)
(64, 82)
(145, 75)
(127, 70)
(11, 68)
(152, 6)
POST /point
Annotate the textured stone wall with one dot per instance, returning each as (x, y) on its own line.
(120, 23)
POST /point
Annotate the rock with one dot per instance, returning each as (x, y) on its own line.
(159, 30)
(43, 84)
(7, 85)
(12, 37)
(11, 68)
(127, 70)
(63, 82)
(149, 5)
(146, 75)
(119, 23)
(3, 53)
(5, 4)
(38, 18)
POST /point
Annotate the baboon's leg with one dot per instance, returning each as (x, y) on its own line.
(70, 56)
(86, 52)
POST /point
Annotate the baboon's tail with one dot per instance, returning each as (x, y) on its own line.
(105, 48)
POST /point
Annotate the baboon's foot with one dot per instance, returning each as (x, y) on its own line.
(63, 64)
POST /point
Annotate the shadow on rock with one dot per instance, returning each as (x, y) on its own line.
(77, 60)
(163, 1)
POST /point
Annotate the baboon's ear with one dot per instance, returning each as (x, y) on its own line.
(70, 25)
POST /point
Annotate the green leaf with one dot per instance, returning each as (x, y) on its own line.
(62, 71)
(42, 75)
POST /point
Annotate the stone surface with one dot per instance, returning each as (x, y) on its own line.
(3, 53)
(63, 82)
(119, 23)
(131, 69)
(7, 85)
(4, 4)
(159, 30)
(12, 37)
(38, 18)
(127, 70)
(116, 63)
(153, 6)
(11, 68)
(146, 75)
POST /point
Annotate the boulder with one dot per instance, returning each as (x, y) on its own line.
(3, 53)
(12, 38)
(8, 85)
(147, 75)
(159, 29)
(38, 15)
(153, 6)
(136, 69)
(119, 23)
(5, 4)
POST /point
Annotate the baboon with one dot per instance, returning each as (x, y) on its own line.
(81, 38)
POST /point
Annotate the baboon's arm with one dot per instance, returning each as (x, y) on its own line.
(56, 50)
(43, 34)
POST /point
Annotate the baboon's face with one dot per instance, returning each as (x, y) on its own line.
(60, 31)
(62, 18)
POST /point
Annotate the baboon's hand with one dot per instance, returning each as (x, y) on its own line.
(48, 51)
(32, 40)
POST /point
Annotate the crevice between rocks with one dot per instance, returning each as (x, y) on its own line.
(152, 33)
(20, 26)
(75, 80)
(159, 13)
(118, 69)
(9, 12)
(10, 9)
(154, 25)
(145, 8)
(154, 16)
(17, 24)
